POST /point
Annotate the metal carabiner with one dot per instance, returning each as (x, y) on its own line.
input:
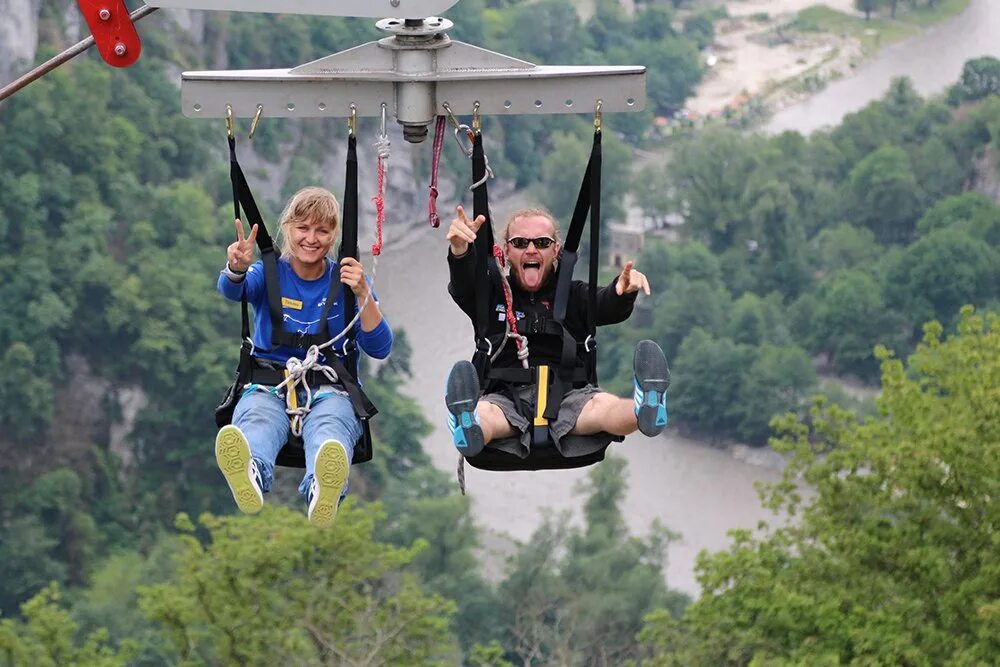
(255, 121)
(382, 132)
(352, 121)
(597, 116)
(477, 123)
(229, 120)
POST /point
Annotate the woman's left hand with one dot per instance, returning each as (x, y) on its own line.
(352, 274)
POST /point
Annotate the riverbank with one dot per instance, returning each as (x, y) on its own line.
(771, 54)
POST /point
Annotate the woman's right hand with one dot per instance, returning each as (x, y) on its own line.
(462, 232)
(240, 253)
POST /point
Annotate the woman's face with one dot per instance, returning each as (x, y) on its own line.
(310, 240)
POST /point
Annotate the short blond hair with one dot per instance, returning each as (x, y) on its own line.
(528, 213)
(309, 204)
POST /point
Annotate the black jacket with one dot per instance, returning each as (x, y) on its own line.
(532, 309)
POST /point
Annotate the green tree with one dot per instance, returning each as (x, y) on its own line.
(779, 380)
(846, 246)
(980, 78)
(890, 559)
(708, 377)
(47, 637)
(673, 69)
(274, 589)
(851, 318)
(971, 208)
(578, 596)
(940, 273)
(885, 195)
(780, 261)
(710, 174)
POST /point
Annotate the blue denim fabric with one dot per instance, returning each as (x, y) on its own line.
(262, 418)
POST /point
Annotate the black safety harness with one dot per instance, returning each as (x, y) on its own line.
(342, 358)
(551, 384)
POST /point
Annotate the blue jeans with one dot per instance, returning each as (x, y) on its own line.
(262, 418)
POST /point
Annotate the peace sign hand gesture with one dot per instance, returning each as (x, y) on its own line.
(631, 280)
(462, 232)
(240, 253)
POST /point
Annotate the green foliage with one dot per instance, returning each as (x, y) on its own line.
(47, 638)
(850, 318)
(940, 273)
(980, 78)
(577, 596)
(889, 560)
(884, 195)
(272, 589)
(50, 536)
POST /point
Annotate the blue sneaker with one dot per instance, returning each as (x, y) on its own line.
(332, 468)
(461, 396)
(652, 377)
(232, 454)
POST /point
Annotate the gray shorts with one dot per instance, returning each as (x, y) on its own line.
(569, 411)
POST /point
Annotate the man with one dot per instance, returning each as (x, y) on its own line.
(531, 242)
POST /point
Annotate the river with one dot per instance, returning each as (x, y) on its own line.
(932, 60)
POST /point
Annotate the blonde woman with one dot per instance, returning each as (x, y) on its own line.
(246, 450)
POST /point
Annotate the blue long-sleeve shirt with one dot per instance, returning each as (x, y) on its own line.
(302, 307)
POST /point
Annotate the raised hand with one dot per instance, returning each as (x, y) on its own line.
(239, 254)
(631, 280)
(462, 232)
(352, 274)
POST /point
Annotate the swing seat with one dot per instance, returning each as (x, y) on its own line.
(542, 454)
(293, 453)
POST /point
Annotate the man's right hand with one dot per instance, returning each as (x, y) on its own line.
(462, 232)
(240, 253)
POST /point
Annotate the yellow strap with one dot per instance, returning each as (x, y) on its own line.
(292, 396)
(542, 387)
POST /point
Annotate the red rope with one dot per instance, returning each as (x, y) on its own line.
(435, 163)
(379, 200)
(511, 318)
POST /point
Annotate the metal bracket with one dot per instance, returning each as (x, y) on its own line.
(414, 73)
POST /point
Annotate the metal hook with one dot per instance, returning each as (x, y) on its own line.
(256, 119)
(352, 121)
(229, 120)
(597, 116)
(382, 131)
(477, 122)
(451, 115)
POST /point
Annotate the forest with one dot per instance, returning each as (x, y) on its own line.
(864, 255)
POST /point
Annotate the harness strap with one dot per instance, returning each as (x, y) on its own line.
(483, 247)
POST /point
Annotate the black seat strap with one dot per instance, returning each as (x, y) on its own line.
(349, 246)
(483, 247)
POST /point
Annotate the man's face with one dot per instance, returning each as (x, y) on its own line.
(531, 265)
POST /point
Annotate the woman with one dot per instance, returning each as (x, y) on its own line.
(246, 450)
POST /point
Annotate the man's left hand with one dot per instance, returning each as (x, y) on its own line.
(631, 280)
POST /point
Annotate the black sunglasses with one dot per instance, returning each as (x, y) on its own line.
(541, 243)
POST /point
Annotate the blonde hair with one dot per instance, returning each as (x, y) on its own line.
(308, 205)
(529, 213)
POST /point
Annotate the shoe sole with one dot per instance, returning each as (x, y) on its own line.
(461, 396)
(653, 377)
(332, 468)
(232, 454)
